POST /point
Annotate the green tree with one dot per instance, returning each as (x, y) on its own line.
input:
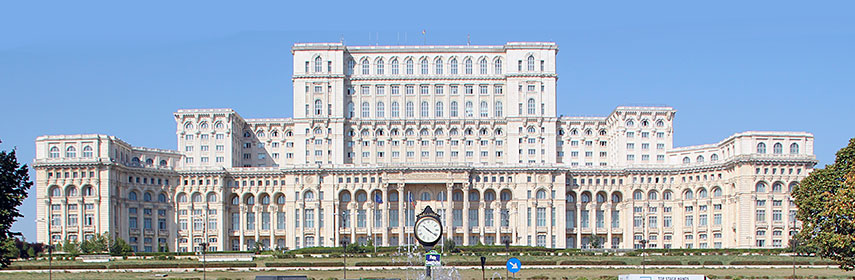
(97, 244)
(825, 200)
(10, 249)
(119, 247)
(71, 247)
(14, 183)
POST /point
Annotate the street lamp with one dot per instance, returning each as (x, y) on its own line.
(344, 265)
(643, 245)
(795, 243)
(204, 246)
(49, 247)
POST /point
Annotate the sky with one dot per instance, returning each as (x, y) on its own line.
(122, 68)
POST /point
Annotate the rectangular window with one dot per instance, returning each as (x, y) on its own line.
(585, 218)
(250, 221)
(393, 218)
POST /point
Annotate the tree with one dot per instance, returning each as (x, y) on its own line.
(120, 248)
(14, 183)
(825, 200)
(97, 244)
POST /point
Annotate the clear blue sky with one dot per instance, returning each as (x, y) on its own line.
(122, 68)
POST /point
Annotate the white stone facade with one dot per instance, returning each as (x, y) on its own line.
(471, 131)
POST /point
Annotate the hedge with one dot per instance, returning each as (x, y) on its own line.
(584, 262)
(825, 263)
(303, 264)
(768, 263)
(663, 262)
(713, 263)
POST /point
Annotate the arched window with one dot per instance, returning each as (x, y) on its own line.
(686, 160)
(87, 151)
(483, 66)
(280, 199)
(361, 196)
(453, 112)
(714, 157)
(203, 125)
(197, 197)
(473, 195)
(497, 67)
(586, 197)
(395, 109)
(55, 192)
(393, 196)
(530, 63)
(147, 197)
(132, 196)
(424, 112)
(149, 162)
(264, 199)
(235, 200)
(163, 163)
(601, 197)
(188, 126)
(161, 198)
(409, 65)
(319, 107)
(410, 109)
(616, 197)
(637, 195)
(70, 152)
(531, 106)
(700, 159)
(457, 196)
(380, 67)
(485, 111)
(541, 194)
(350, 109)
(212, 197)
(87, 191)
(688, 194)
(761, 148)
(438, 66)
(498, 108)
(778, 149)
(667, 195)
(366, 110)
(531, 129)
(394, 66)
(602, 132)
(468, 66)
(309, 196)
(489, 195)
(182, 197)
(660, 123)
(54, 152)
(652, 195)
(135, 161)
(366, 68)
(505, 195)
(469, 109)
(250, 200)
(702, 193)
(453, 66)
(792, 185)
(794, 148)
(381, 110)
(438, 109)
(424, 132)
(425, 196)
(716, 192)
(319, 65)
(760, 187)
(630, 123)
(344, 196)
(72, 191)
(424, 66)
(570, 197)
(778, 187)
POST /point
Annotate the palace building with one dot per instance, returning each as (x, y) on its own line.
(380, 132)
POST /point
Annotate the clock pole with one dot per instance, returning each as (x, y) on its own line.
(427, 215)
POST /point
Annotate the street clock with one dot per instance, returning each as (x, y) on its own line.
(428, 228)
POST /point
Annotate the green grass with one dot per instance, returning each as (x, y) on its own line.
(591, 273)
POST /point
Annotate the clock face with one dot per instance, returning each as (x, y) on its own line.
(428, 230)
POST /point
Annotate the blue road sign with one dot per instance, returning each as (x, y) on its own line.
(514, 265)
(432, 258)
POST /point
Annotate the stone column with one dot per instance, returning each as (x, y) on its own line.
(549, 229)
(449, 211)
(608, 218)
(497, 222)
(241, 222)
(402, 214)
(578, 225)
(482, 219)
(466, 215)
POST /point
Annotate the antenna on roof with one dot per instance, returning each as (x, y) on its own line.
(468, 40)
(341, 38)
(424, 34)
